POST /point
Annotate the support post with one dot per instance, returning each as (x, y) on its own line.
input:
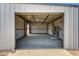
(52, 28)
(30, 29)
(24, 28)
(47, 28)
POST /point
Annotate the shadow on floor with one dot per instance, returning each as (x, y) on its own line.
(39, 41)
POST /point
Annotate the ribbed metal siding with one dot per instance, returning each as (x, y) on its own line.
(7, 27)
(0, 23)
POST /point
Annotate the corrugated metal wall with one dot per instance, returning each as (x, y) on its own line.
(58, 23)
(7, 27)
(78, 28)
(38, 28)
(0, 23)
(19, 27)
(7, 23)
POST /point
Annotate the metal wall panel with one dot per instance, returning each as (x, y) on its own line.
(12, 26)
(70, 28)
(2, 22)
(38, 28)
(75, 28)
(19, 26)
(78, 27)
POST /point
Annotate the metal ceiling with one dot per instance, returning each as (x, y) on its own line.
(40, 17)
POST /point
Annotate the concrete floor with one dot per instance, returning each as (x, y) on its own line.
(39, 41)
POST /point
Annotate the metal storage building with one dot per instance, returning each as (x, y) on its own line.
(7, 22)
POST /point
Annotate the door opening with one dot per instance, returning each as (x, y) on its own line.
(43, 30)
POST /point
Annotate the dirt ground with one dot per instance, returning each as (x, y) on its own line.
(74, 52)
(5, 53)
(35, 52)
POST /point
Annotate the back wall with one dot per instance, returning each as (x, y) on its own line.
(38, 28)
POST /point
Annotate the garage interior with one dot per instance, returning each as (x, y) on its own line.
(39, 30)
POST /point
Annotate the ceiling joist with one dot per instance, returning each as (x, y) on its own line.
(33, 18)
(45, 19)
(56, 19)
(23, 18)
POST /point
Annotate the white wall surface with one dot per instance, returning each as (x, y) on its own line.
(7, 21)
(38, 28)
(78, 28)
(7, 41)
(75, 27)
(0, 23)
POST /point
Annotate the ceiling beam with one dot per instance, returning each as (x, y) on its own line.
(23, 18)
(45, 19)
(33, 18)
(56, 19)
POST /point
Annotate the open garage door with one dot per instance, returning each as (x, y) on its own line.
(39, 30)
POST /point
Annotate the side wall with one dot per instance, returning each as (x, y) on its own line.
(19, 27)
(7, 21)
(60, 24)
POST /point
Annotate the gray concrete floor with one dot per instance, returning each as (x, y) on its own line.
(39, 41)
